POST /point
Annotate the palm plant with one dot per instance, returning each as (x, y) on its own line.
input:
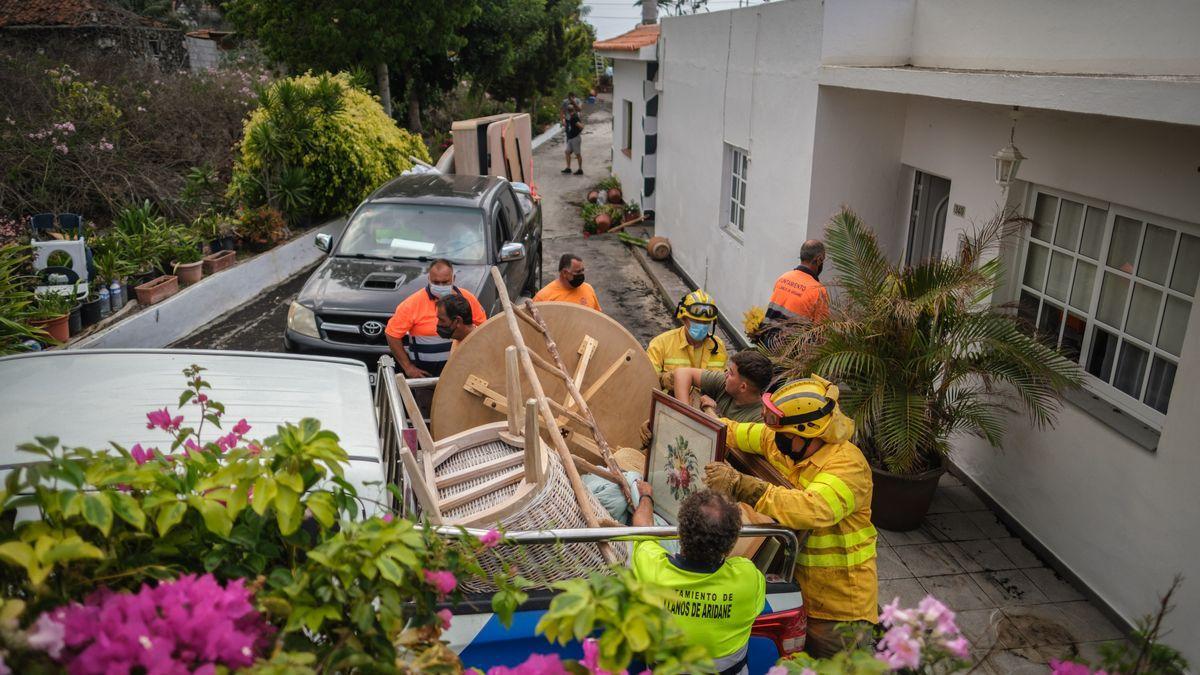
(17, 302)
(921, 353)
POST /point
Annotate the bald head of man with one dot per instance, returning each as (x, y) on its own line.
(812, 255)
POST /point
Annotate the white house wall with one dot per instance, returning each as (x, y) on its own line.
(628, 76)
(1124, 520)
(761, 97)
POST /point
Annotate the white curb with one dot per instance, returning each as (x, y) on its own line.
(195, 306)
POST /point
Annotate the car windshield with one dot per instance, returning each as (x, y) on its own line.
(416, 231)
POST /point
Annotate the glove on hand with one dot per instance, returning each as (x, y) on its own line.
(720, 477)
(749, 489)
(666, 382)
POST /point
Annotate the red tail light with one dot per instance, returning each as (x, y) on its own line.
(786, 629)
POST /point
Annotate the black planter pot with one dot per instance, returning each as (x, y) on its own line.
(898, 502)
(90, 312)
(75, 320)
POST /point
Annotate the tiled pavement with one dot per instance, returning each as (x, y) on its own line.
(1017, 613)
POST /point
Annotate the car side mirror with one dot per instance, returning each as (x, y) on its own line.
(511, 251)
(324, 242)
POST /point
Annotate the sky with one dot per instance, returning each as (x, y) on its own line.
(613, 17)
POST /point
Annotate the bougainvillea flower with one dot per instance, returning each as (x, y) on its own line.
(241, 428)
(442, 580)
(445, 615)
(490, 538)
(47, 635)
(161, 419)
(141, 456)
(536, 664)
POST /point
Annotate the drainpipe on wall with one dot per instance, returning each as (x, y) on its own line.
(649, 11)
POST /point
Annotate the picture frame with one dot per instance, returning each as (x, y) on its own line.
(683, 440)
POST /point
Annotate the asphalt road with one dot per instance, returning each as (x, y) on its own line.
(624, 290)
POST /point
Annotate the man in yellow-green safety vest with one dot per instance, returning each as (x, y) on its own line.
(716, 598)
(805, 435)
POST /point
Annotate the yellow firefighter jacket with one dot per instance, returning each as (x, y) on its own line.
(831, 497)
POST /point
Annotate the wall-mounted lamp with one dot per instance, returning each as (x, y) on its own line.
(1009, 158)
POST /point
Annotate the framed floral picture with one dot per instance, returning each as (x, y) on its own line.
(683, 441)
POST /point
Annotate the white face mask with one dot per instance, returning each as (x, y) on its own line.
(441, 290)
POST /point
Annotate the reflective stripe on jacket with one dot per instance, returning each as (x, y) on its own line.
(415, 322)
(797, 294)
(832, 498)
(671, 350)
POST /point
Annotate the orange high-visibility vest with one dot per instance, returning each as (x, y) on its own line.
(797, 294)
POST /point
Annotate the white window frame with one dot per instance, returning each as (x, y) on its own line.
(1110, 393)
(735, 178)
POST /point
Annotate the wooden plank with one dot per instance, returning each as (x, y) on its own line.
(527, 319)
(513, 385)
(549, 367)
(424, 440)
(625, 358)
(482, 490)
(587, 446)
(444, 452)
(587, 467)
(587, 349)
(533, 445)
(420, 488)
(472, 472)
(575, 417)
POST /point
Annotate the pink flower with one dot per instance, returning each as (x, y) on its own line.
(202, 398)
(490, 538)
(536, 664)
(161, 419)
(191, 446)
(228, 442)
(1069, 668)
(241, 428)
(932, 610)
(141, 456)
(893, 614)
(445, 615)
(62, 148)
(47, 635)
(899, 648)
(387, 517)
(442, 580)
(105, 145)
(958, 647)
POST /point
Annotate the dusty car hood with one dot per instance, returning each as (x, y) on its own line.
(337, 285)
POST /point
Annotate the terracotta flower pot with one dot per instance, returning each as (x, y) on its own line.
(603, 222)
(898, 502)
(157, 290)
(614, 195)
(57, 327)
(221, 260)
(593, 196)
(189, 273)
(659, 248)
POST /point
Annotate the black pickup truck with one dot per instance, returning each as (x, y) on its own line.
(382, 255)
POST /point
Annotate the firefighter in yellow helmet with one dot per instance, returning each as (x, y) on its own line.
(694, 344)
(805, 435)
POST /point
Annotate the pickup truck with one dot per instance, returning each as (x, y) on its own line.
(382, 256)
(91, 397)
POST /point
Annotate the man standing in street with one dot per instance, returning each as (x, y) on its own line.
(569, 286)
(564, 108)
(455, 319)
(731, 592)
(693, 345)
(805, 435)
(574, 131)
(412, 332)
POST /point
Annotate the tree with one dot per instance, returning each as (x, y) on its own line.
(344, 34)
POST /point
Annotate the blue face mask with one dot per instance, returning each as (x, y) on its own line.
(698, 331)
(441, 290)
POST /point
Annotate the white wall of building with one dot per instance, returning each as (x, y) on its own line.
(761, 97)
(628, 78)
(1149, 37)
(1124, 520)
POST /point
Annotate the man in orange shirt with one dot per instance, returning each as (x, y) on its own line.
(569, 286)
(412, 332)
(798, 293)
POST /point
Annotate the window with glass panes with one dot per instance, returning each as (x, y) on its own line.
(738, 164)
(1112, 288)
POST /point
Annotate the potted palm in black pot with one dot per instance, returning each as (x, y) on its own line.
(922, 354)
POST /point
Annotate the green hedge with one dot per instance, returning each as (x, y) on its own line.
(345, 147)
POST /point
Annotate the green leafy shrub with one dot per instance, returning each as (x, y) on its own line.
(319, 143)
(344, 591)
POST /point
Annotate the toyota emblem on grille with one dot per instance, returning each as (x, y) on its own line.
(372, 328)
